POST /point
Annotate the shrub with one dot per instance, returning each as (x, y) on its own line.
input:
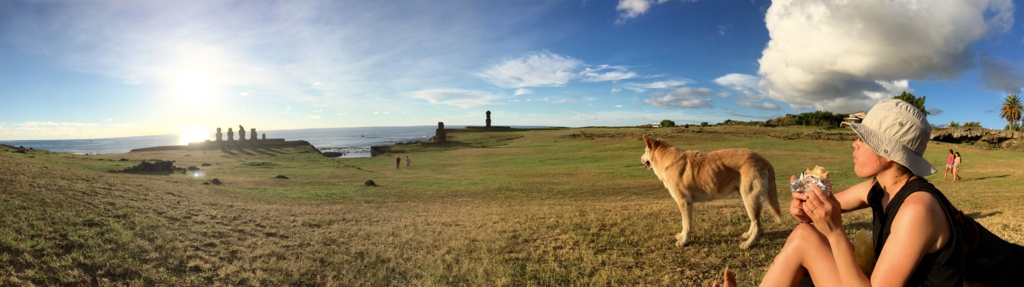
(667, 123)
(972, 124)
(953, 124)
(703, 124)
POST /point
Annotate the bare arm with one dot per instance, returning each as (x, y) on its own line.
(920, 227)
(851, 199)
(855, 197)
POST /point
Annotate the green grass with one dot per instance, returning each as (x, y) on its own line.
(515, 208)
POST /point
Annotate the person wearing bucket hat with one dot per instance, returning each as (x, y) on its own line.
(915, 241)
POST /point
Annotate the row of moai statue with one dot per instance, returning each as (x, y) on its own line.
(241, 134)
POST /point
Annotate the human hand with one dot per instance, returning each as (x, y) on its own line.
(824, 210)
(796, 207)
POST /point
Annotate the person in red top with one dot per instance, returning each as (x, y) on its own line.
(398, 162)
(949, 165)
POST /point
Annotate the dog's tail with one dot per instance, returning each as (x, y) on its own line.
(773, 196)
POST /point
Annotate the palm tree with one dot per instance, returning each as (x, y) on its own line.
(1011, 111)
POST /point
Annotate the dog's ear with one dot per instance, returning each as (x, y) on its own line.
(648, 141)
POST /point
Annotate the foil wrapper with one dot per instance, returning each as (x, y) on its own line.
(805, 181)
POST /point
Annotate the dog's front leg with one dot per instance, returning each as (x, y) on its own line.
(685, 209)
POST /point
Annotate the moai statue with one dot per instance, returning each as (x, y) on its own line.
(488, 118)
(231, 135)
(440, 135)
(252, 135)
(241, 133)
(264, 136)
(219, 135)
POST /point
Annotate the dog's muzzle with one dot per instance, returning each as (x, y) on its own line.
(647, 165)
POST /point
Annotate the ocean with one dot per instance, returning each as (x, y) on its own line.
(353, 142)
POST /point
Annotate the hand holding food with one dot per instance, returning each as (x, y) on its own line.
(817, 176)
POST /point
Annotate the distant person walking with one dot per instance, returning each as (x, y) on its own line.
(949, 164)
(956, 167)
(398, 162)
(408, 162)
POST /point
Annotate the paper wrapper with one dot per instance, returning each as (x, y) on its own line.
(817, 176)
(864, 248)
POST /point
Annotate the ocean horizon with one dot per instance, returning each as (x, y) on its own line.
(352, 142)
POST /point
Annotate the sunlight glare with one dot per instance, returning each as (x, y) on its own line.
(193, 134)
(195, 86)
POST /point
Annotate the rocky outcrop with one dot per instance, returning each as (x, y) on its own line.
(156, 167)
(973, 134)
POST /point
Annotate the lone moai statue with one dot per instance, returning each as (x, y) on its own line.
(488, 118)
(252, 135)
(231, 135)
(440, 135)
(219, 135)
(241, 133)
(264, 136)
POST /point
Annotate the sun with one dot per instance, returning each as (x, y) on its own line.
(195, 86)
(193, 134)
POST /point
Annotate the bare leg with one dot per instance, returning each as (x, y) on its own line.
(806, 250)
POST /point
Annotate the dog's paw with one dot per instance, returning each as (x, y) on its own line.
(681, 240)
(746, 245)
(746, 234)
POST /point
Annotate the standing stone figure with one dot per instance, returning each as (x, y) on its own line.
(488, 118)
(241, 133)
(264, 136)
(231, 135)
(252, 136)
(440, 135)
(219, 135)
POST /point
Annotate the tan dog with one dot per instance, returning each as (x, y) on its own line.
(693, 176)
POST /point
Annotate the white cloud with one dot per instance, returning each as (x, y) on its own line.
(657, 85)
(317, 111)
(243, 94)
(616, 90)
(457, 97)
(616, 73)
(523, 91)
(834, 55)
(738, 81)
(722, 29)
(110, 120)
(682, 98)
(317, 84)
(618, 106)
(629, 9)
(538, 69)
(312, 117)
(288, 108)
(762, 106)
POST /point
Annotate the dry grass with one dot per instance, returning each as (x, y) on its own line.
(536, 208)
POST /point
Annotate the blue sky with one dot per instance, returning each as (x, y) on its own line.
(93, 69)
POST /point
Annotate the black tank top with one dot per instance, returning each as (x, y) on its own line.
(944, 267)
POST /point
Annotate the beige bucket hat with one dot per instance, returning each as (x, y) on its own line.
(898, 131)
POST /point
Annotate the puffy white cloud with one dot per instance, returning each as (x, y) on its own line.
(597, 75)
(738, 81)
(684, 97)
(538, 69)
(668, 84)
(839, 55)
(457, 97)
(616, 90)
(523, 91)
(1000, 75)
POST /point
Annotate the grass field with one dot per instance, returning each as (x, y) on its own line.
(520, 208)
